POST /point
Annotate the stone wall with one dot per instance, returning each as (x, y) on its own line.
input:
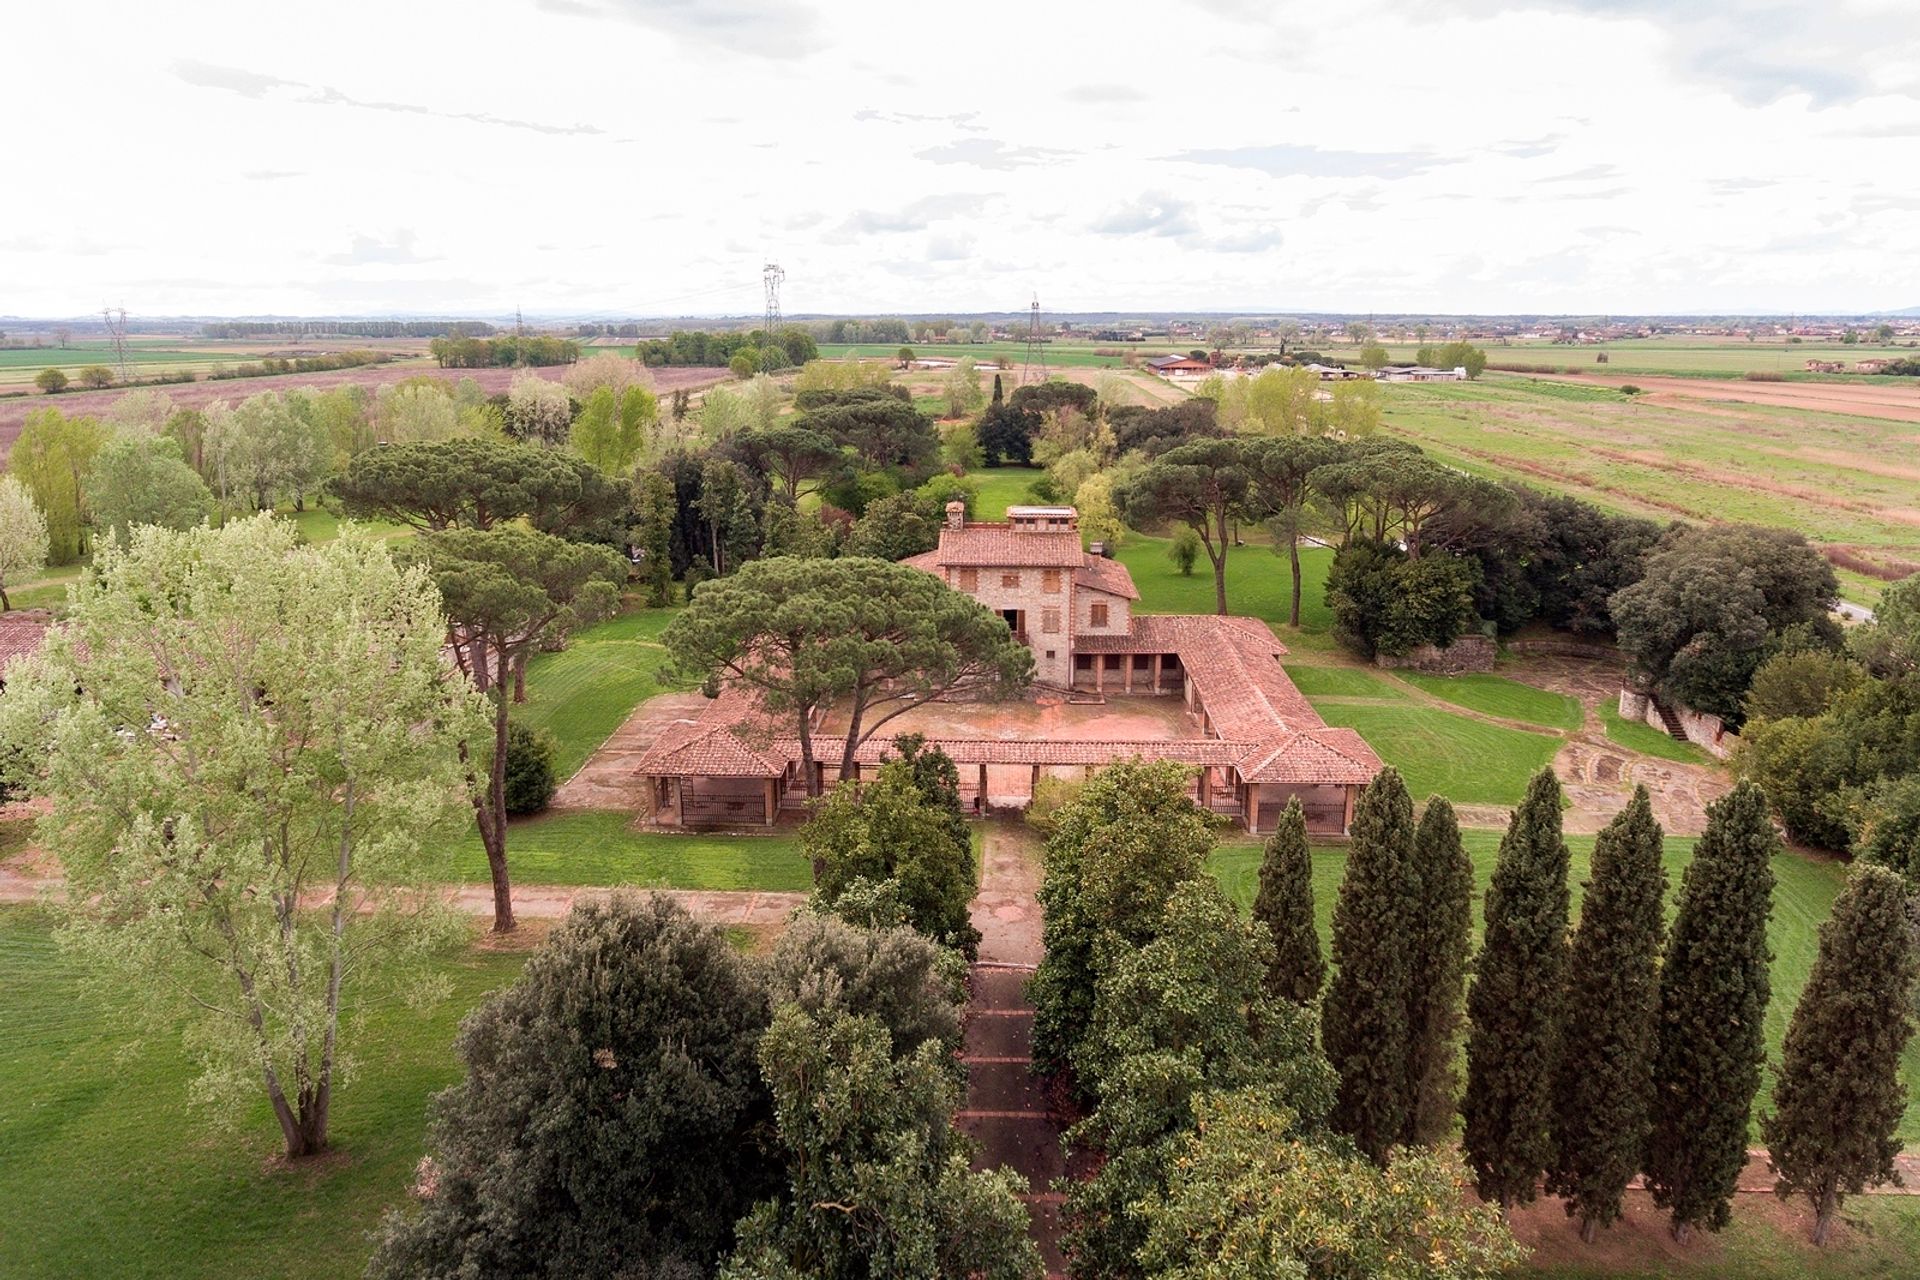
(1468, 653)
(1705, 731)
(1564, 647)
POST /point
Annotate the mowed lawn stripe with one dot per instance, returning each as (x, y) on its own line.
(1498, 696)
(596, 847)
(1440, 753)
(586, 691)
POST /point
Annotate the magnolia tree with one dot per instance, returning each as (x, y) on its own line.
(23, 537)
(246, 743)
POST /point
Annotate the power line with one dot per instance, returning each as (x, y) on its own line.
(770, 277)
(1035, 368)
(117, 330)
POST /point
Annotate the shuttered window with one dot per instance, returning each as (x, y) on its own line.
(1097, 615)
(1050, 582)
(1050, 622)
(969, 579)
(1010, 581)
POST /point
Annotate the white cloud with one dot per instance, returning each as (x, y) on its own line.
(636, 156)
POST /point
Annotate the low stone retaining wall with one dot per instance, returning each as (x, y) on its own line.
(1552, 647)
(1468, 653)
(1708, 732)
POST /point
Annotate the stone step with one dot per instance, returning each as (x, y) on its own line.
(1004, 1086)
(1023, 1143)
(999, 988)
(1010, 1036)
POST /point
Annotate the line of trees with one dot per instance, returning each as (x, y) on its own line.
(1213, 1115)
(346, 329)
(792, 345)
(468, 352)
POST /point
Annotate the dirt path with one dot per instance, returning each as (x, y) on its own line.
(1006, 1109)
(751, 907)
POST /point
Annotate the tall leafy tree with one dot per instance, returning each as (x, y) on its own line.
(1514, 1004)
(508, 591)
(23, 537)
(53, 457)
(1710, 1042)
(877, 1178)
(476, 483)
(1205, 486)
(242, 801)
(1363, 1023)
(802, 635)
(1280, 470)
(608, 1123)
(1440, 942)
(794, 458)
(1116, 851)
(1839, 1097)
(612, 428)
(1284, 903)
(890, 834)
(143, 480)
(1613, 991)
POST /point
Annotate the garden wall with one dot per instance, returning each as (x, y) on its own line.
(1468, 653)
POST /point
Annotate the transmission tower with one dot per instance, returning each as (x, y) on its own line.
(519, 338)
(1035, 368)
(770, 276)
(117, 331)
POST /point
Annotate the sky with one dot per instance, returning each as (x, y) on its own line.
(647, 157)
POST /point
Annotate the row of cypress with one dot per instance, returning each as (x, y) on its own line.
(1610, 1050)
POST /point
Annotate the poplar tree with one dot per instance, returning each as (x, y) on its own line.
(1442, 936)
(1613, 993)
(1514, 1004)
(1710, 1041)
(1839, 1095)
(1364, 1020)
(1285, 905)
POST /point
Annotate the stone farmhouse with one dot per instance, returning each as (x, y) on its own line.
(1253, 739)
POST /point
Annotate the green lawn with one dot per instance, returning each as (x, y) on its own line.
(108, 1172)
(1440, 753)
(1803, 896)
(583, 693)
(595, 847)
(1637, 735)
(1498, 696)
(1339, 682)
(1000, 488)
(1259, 585)
(318, 524)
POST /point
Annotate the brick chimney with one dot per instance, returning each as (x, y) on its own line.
(956, 514)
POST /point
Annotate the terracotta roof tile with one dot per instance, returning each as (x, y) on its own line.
(1098, 573)
(20, 635)
(993, 546)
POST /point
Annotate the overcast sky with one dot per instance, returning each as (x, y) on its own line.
(647, 156)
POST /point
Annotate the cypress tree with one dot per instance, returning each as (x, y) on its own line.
(1709, 1041)
(1364, 1019)
(1285, 905)
(1514, 1004)
(1442, 935)
(1839, 1095)
(1606, 1047)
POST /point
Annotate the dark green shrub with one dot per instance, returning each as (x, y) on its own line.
(530, 777)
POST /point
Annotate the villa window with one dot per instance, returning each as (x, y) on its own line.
(969, 579)
(1097, 615)
(1050, 622)
(1010, 581)
(1050, 582)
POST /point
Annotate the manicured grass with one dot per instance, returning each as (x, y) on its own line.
(318, 524)
(1637, 735)
(1884, 1241)
(1000, 488)
(1498, 696)
(583, 693)
(595, 847)
(1339, 682)
(108, 1172)
(1440, 753)
(1803, 896)
(1259, 585)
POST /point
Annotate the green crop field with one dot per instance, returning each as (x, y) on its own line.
(1499, 696)
(1803, 896)
(1706, 356)
(1012, 354)
(1844, 481)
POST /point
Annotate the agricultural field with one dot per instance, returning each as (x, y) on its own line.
(1011, 354)
(1848, 482)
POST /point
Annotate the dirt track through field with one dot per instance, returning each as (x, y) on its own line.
(1862, 400)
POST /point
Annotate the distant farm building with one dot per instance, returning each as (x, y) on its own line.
(1180, 368)
(1826, 366)
(1420, 373)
